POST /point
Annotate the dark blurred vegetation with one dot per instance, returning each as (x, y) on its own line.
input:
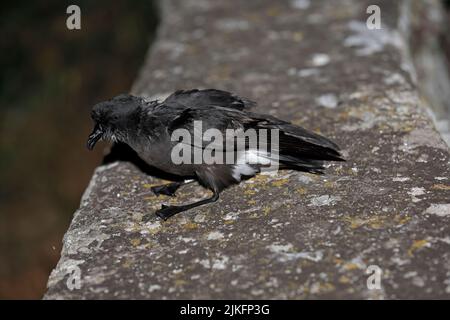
(50, 78)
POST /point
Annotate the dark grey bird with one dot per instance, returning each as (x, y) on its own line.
(148, 127)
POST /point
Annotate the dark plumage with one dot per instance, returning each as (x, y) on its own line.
(147, 128)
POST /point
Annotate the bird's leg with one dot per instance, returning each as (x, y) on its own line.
(167, 211)
(170, 188)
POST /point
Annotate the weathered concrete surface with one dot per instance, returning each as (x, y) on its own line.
(294, 235)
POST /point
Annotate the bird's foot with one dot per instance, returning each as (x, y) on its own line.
(166, 189)
(167, 211)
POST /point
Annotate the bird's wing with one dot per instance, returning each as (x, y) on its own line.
(197, 122)
(198, 98)
(296, 145)
(294, 140)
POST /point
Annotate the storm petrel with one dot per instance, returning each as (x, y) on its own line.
(148, 127)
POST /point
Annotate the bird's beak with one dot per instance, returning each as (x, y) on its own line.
(94, 136)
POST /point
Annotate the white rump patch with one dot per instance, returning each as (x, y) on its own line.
(248, 158)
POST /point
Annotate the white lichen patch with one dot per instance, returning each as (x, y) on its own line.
(440, 210)
(329, 101)
(93, 183)
(371, 41)
(303, 178)
(186, 239)
(216, 263)
(416, 191)
(151, 227)
(320, 59)
(401, 179)
(286, 252)
(154, 287)
(232, 25)
(221, 263)
(394, 78)
(325, 200)
(215, 235)
(280, 248)
(205, 263)
(300, 4)
(311, 256)
(200, 217)
(355, 263)
(64, 268)
(231, 216)
(303, 73)
(80, 240)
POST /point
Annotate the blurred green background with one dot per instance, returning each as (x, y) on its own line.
(50, 78)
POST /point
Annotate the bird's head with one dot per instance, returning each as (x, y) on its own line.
(114, 118)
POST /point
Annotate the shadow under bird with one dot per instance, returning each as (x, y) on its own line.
(147, 127)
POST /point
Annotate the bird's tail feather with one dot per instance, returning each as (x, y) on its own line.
(303, 150)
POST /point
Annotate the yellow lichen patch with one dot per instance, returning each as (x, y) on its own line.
(344, 279)
(254, 215)
(135, 242)
(375, 222)
(343, 115)
(279, 183)
(401, 220)
(127, 263)
(148, 245)
(354, 222)
(440, 187)
(251, 202)
(291, 104)
(417, 244)
(154, 230)
(135, 227)
(350, 266)
(260, 178)
(149, 185)
(150, 198)
(297, 36)
(273, 11)
(322, 287)
(407, 128)
(329, 184)
(266, 210)
(301, 190)
(180, 282)
(249, 192)
(339, 170)
(190, 225)
(327, 287)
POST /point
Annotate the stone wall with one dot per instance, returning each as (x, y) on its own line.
(293, 235)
